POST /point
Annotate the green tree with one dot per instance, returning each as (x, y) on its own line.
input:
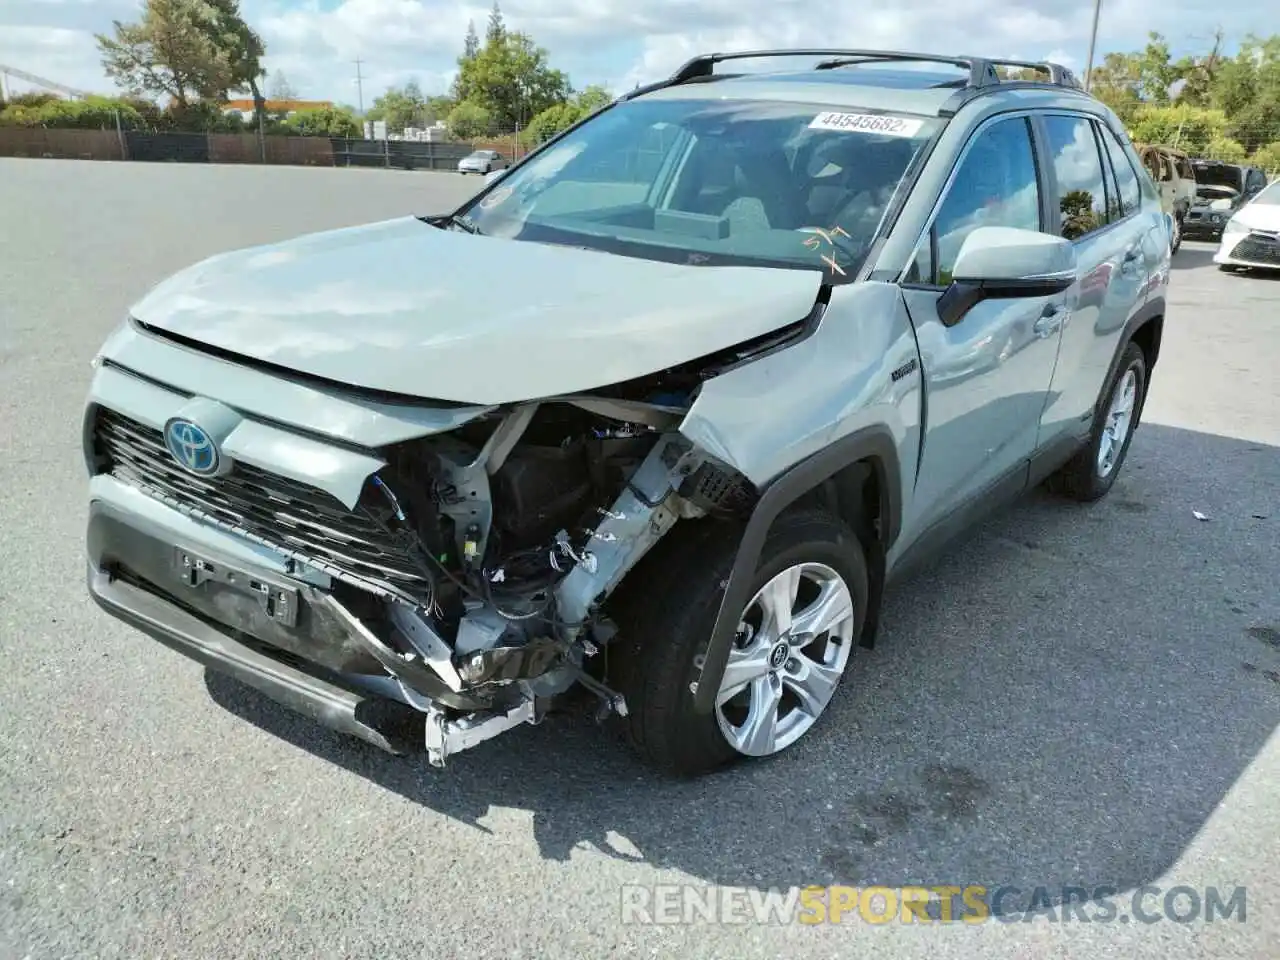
(1199, 74)
(1116, 83)
(1268, 158)
(1225, 149)
(91, 113)
(562, 116)
(469, 120)
(497, 30)
(593, 98)
(438, 108)
(170, 51)
(1247, 89)
(512, 80)
(552, 120)
(240, 47)
(323, 122)
(400, 107)
(1187, 128)
(33, 100)
(470, 50)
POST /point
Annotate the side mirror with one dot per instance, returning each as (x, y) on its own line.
(1005, 263)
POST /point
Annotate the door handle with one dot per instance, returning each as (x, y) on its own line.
(1049, 322)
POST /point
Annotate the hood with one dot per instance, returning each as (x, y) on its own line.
(1259, 216)
(405, 307)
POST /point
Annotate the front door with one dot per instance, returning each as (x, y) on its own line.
(987, 378)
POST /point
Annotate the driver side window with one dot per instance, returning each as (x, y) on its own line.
(996, 186)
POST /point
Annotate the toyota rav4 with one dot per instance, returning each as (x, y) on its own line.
(655, 416)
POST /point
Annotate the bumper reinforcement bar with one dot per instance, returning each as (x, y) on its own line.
(394, 727)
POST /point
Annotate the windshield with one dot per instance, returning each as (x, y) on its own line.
(712, 182)
(1270, 195)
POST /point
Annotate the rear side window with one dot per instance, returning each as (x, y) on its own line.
(1130, 194)
(995, 186)
(1082, 192)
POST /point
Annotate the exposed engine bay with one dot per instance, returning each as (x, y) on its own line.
(519, 525)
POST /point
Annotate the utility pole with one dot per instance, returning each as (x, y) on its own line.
(359, 87)
(1093, 40)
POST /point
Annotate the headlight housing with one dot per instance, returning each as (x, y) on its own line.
(1234, 226)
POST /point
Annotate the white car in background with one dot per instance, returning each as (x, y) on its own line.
(1251, 238)
(482, 161)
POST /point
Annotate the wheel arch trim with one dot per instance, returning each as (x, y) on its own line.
(874, 444)
(1151, 313)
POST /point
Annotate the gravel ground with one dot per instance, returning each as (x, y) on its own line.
(1074, 696)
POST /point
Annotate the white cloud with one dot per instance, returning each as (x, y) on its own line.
(616, 42)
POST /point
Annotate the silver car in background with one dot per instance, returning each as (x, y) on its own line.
(482, 161)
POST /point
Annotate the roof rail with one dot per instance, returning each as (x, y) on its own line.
(982, 70)
(1059, 75)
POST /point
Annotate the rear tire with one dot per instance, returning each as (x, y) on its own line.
(665, 621)
(1091, 473)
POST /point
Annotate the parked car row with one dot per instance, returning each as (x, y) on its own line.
(1221, 190)
(1200, 195)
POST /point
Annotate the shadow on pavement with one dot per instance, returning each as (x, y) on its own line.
(1063, 699)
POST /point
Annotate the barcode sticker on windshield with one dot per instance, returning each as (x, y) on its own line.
(867, 123)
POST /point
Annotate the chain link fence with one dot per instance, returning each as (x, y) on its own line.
(149, 146)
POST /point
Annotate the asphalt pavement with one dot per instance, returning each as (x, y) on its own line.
(1073, 696)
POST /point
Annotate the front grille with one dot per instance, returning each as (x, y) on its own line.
(1258, 249)
(297, 519)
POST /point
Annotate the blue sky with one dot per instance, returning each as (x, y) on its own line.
(314, 43)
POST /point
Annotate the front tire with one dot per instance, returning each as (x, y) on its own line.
(1091, 473)
(796, 638)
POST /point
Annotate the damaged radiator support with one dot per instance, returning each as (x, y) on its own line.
(517, 679)
(638, 519)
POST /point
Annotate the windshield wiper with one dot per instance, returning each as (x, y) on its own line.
(465, 222)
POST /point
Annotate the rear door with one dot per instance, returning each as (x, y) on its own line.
(1099, 200)
(987, 377)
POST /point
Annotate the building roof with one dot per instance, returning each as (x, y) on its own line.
(276, 106)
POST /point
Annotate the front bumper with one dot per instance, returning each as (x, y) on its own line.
(1249, 250)
(259, 617)
(1202, 229)
(390, 726)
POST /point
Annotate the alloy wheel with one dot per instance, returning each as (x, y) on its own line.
(1119, 422)
(793, 645)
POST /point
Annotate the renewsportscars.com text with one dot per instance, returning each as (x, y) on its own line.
(675, 904)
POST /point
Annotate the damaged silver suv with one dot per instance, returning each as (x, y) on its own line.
(654, 417)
